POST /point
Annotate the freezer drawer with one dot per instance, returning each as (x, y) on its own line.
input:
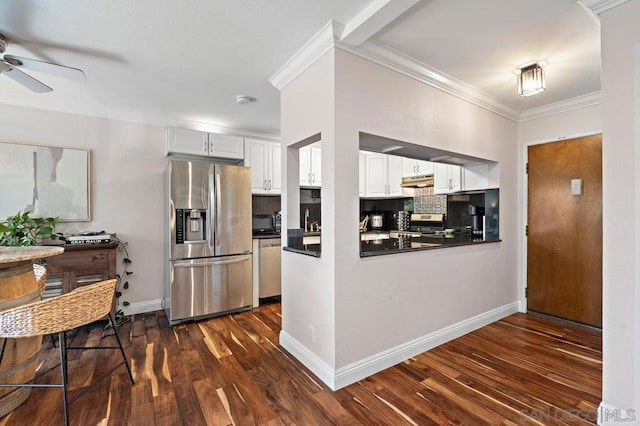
(270, 273)
(209, 286)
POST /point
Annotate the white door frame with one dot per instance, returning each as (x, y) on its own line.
(525, 205)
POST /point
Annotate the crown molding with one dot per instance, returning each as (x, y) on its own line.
(578, 102)
(322, 42)
(397, 61)
(601, 6)
(328, 38)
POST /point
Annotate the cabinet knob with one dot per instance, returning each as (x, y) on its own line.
(94, 258)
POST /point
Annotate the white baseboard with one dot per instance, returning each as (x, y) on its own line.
(142, 307)
(608, 415)
(366, 367)
(310, 360)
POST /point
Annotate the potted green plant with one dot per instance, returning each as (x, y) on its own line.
(25, 230)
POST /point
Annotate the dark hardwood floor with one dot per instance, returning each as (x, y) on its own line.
(230, 370)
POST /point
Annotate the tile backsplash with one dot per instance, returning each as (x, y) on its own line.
(425, 201)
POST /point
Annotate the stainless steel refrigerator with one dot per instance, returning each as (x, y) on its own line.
(208, 240)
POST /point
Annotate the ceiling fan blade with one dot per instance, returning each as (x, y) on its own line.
(27, 81)
(48, 67)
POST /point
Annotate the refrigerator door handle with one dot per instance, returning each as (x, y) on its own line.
(218, 209)
(209, 264)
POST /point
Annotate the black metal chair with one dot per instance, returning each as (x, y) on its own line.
(58, 315)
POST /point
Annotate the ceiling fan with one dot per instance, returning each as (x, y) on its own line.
(9, 66)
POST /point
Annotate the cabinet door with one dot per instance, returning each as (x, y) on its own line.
(275, 170)
(424, 168)
(316, 166)
(440, 178)
(256, 156)
(305, 166)
(362, 176)
(455, 176)
(185, 141)
(225, 146)
(447, 178)
(376, 175)
(394, 176)
(408, 167)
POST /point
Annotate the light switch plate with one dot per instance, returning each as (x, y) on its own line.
(576, 186)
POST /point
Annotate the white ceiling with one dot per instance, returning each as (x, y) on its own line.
(182, 63)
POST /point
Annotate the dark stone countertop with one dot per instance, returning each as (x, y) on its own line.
(265, 236)
(412, 244)
(306, 249)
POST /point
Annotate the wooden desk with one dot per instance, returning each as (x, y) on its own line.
(18, 287)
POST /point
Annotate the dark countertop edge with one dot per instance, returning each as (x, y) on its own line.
(410, 250)
(265, 236)
(302, 251)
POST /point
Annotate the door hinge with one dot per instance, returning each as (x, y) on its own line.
(527, 168)
(526, 292)
(526, 230)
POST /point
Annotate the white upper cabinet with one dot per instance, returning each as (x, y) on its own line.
(193, 142)
(362, 175)
(447, 178)
(311, 166)
(264, 159)
(394, 175)
(383, 176)
(226, 146)
(413, 168)
(185, 141)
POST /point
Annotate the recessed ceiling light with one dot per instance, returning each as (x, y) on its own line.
(243, 100)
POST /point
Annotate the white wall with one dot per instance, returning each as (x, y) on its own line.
(308, 282)
(383, 305)
(621, 207)
(127, 161)
(385, 302)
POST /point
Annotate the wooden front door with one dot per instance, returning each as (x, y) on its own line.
(564, 242)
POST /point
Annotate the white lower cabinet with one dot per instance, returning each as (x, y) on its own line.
(266, 172)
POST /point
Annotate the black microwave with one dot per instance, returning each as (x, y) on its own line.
(263, 224)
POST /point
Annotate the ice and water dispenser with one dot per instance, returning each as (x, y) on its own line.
(191, 225)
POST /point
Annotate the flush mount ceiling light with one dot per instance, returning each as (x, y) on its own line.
(531, 80)
(243, 100)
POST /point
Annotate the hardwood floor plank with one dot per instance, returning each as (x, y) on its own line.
(165, 408)
(334, 410)
(119, 400)
(257, 403)
(230, 370)
(235, 406)
(213, 410)
(366, 407)
(142, 410)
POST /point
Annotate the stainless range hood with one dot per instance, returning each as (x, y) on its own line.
(417, 181)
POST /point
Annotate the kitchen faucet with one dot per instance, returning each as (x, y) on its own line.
(306, 220)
